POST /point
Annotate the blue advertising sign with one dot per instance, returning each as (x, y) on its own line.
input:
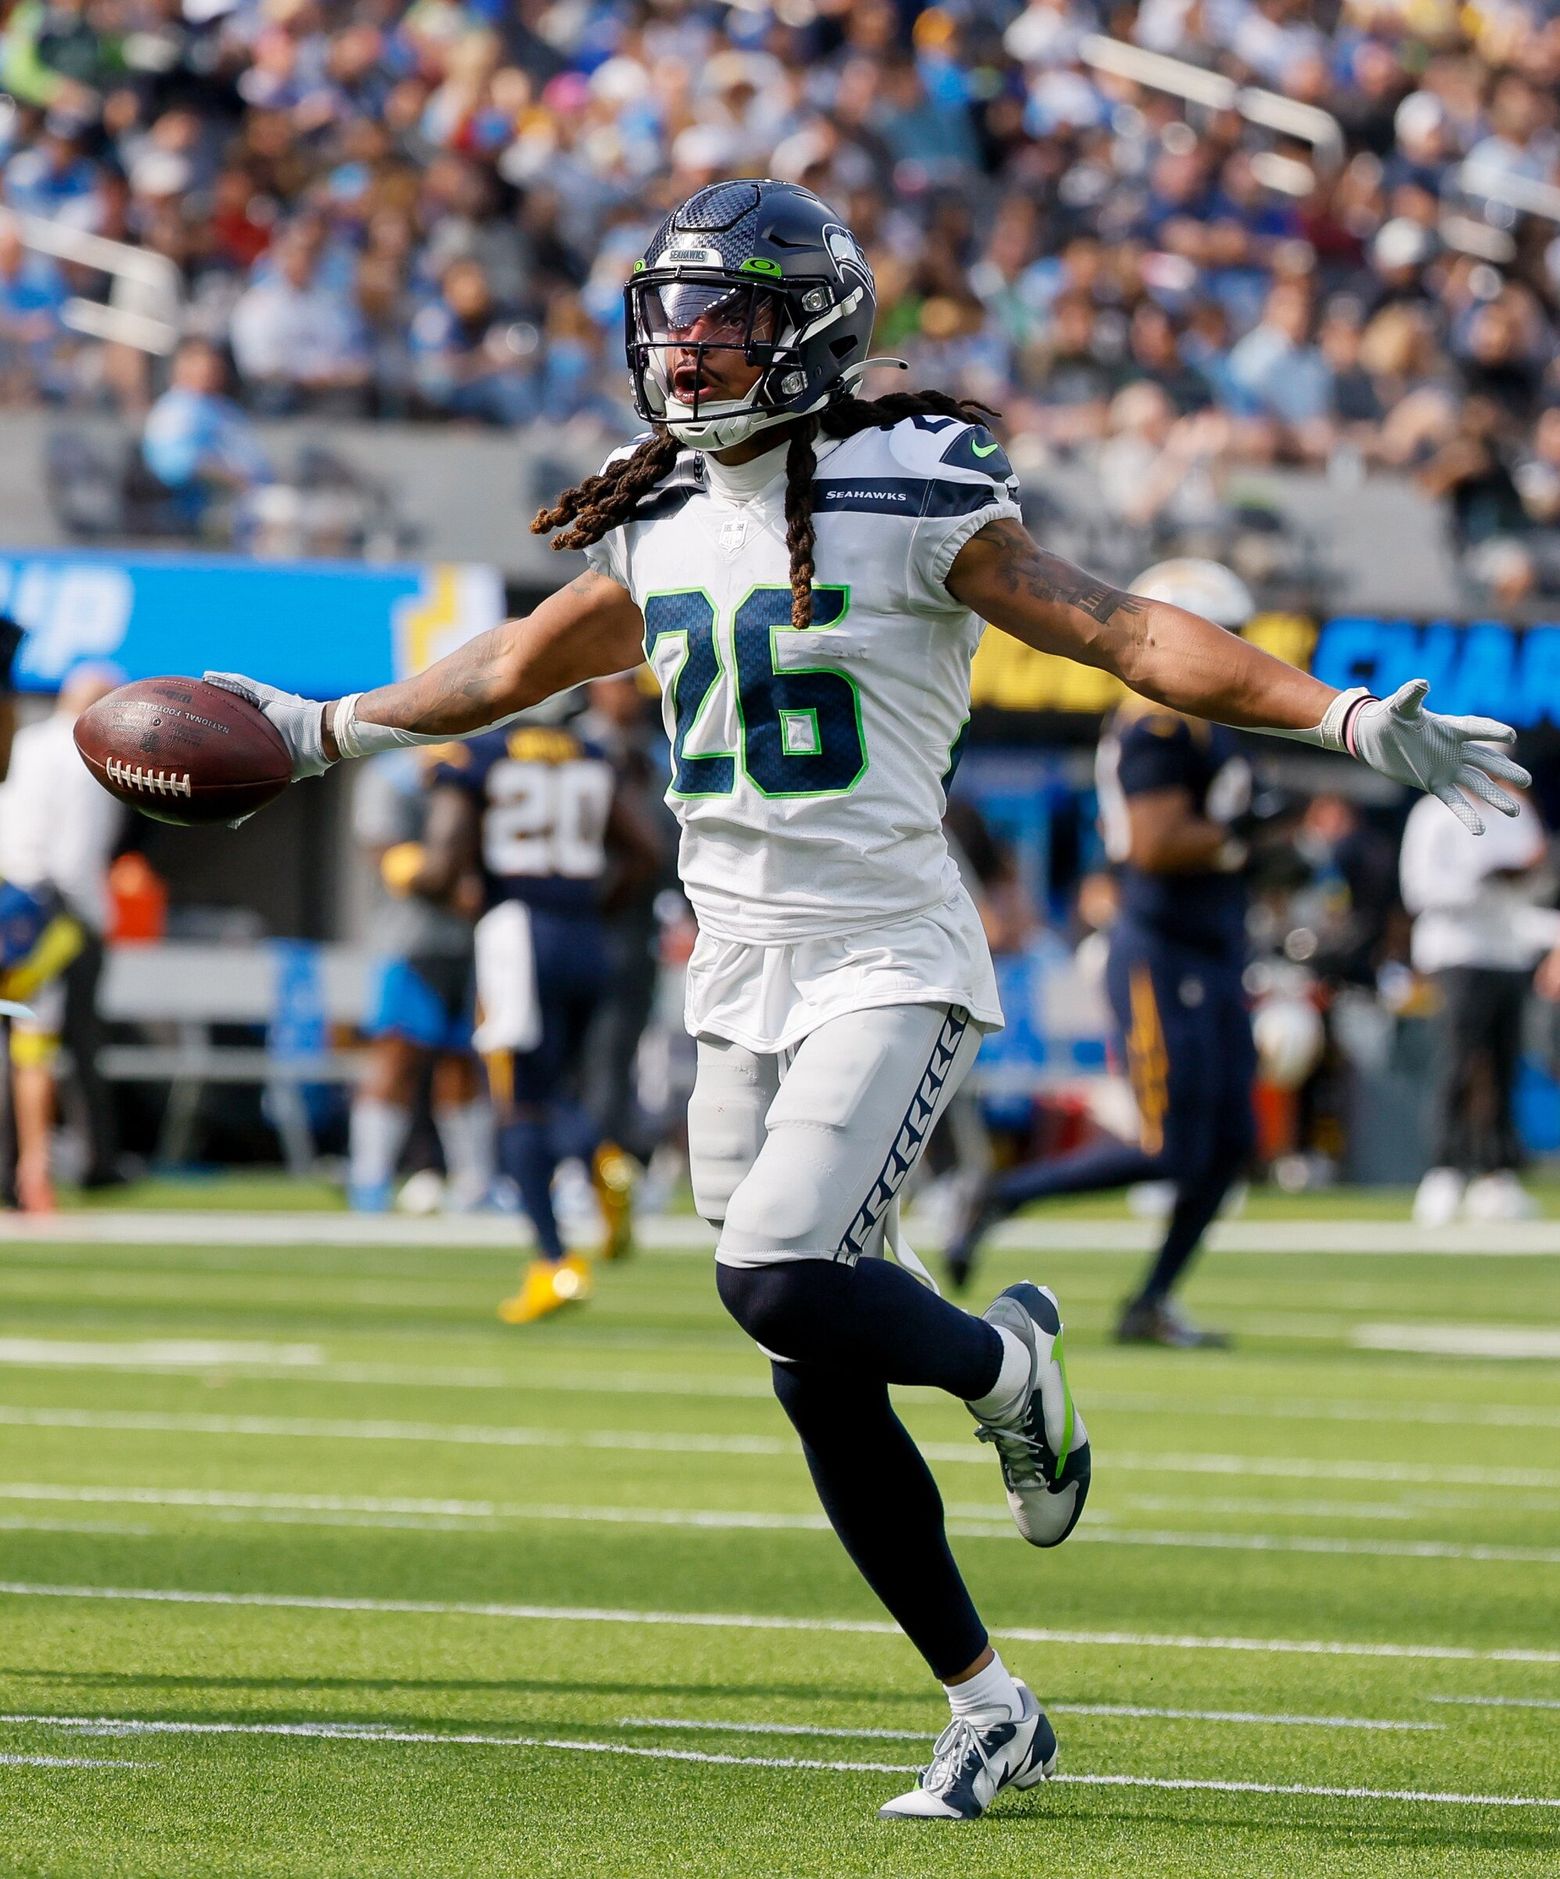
(1484, 666)
(317, 627)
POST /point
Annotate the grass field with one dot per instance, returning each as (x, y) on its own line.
(310, 1567)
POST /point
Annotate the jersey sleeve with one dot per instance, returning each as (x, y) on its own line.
(965, 481)
(1156, 752)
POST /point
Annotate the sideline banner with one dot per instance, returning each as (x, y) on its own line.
(1483, 666)
(317, 627)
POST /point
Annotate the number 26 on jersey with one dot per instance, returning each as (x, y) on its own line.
(799, 726)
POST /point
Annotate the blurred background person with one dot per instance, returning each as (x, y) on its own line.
(1479, 930)
(202, 447)
(539, 813)
(1172, 792)
(620, 720)
(58, 830)
(422, 1010)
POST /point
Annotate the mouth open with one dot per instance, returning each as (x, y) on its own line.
(690, 383)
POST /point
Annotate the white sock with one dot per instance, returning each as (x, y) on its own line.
(1012, 1378)
(377, 1134)
(466, 1135)
(990, 1696)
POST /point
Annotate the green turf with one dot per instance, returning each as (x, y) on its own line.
(362, 1430)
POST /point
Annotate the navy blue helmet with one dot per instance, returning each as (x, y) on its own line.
(760, 268)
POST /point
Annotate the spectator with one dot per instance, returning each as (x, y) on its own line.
(469, 359)
(297, 338)
(31, 333)
(1157, 471)
(1277, 372)
(198, 444)
(1478, 933)
(57, 833)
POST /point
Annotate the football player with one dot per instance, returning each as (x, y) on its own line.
(807, 572)
(536, 810)
(419, 1018)
(1170, 788)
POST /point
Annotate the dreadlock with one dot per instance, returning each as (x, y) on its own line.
(605, 501)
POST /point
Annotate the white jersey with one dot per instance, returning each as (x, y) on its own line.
(809, 768)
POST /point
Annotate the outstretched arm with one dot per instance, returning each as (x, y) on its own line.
(585, 630)
(1161, 652)
(1181, 660)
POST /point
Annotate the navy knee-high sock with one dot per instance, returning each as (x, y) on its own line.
(871, 1320)
(881, 1500)
(525, 1153)
(1092, 1170)
(1197, 1202)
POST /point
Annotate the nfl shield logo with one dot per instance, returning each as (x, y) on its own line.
(733, 533)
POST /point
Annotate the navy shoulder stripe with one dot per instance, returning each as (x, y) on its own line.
(663, 502)
(976, 449)
(910, 496)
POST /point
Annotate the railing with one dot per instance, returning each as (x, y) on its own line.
(1157, 70)
(151, 279)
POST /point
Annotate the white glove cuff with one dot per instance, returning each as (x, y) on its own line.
(1336, 728)
(361, 737)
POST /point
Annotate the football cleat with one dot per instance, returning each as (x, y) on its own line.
(971, 1766)
(1157, 1321)
(1040, 1439)
(612, 1176)
(548, 1285)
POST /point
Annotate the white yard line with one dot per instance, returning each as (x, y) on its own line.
(164, 1353)
(1460, 1340)
(1242, 1716)
(308, 1364)
(631, 1440)
(67, 1761)
(448, 1516)
(361, 1732)
(1499, 1702)
(755, 1621)
(1038, 1233)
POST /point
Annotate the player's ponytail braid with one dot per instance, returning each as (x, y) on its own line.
(604, 501)
(845, 419)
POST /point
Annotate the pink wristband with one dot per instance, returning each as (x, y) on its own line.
(1350, 718)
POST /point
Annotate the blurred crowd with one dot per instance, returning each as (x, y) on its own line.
(427, 210)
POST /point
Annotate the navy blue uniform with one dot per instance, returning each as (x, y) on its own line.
(544, 798)
(1178, 950)
(1177, 953)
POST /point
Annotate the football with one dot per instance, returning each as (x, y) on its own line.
(183, 751)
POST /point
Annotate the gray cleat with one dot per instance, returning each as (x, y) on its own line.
(1040, 1438)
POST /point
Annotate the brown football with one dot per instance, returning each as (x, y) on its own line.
(183, 751)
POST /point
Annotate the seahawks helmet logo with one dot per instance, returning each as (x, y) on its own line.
(845, 249)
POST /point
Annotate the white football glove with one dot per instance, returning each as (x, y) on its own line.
(1398, 738)
(300, 720)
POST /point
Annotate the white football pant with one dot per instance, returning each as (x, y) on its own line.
(802, 1155)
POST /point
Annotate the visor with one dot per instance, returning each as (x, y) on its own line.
(706, 313)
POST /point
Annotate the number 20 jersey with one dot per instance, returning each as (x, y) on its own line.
(809, 768)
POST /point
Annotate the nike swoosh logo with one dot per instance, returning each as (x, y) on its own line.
(983, 450)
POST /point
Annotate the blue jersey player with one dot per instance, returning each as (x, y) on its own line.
(535, 809)
(1170, 788)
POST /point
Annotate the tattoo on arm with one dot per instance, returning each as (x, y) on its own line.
(1028, 571)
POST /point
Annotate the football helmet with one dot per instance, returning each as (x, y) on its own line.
(760, 268)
